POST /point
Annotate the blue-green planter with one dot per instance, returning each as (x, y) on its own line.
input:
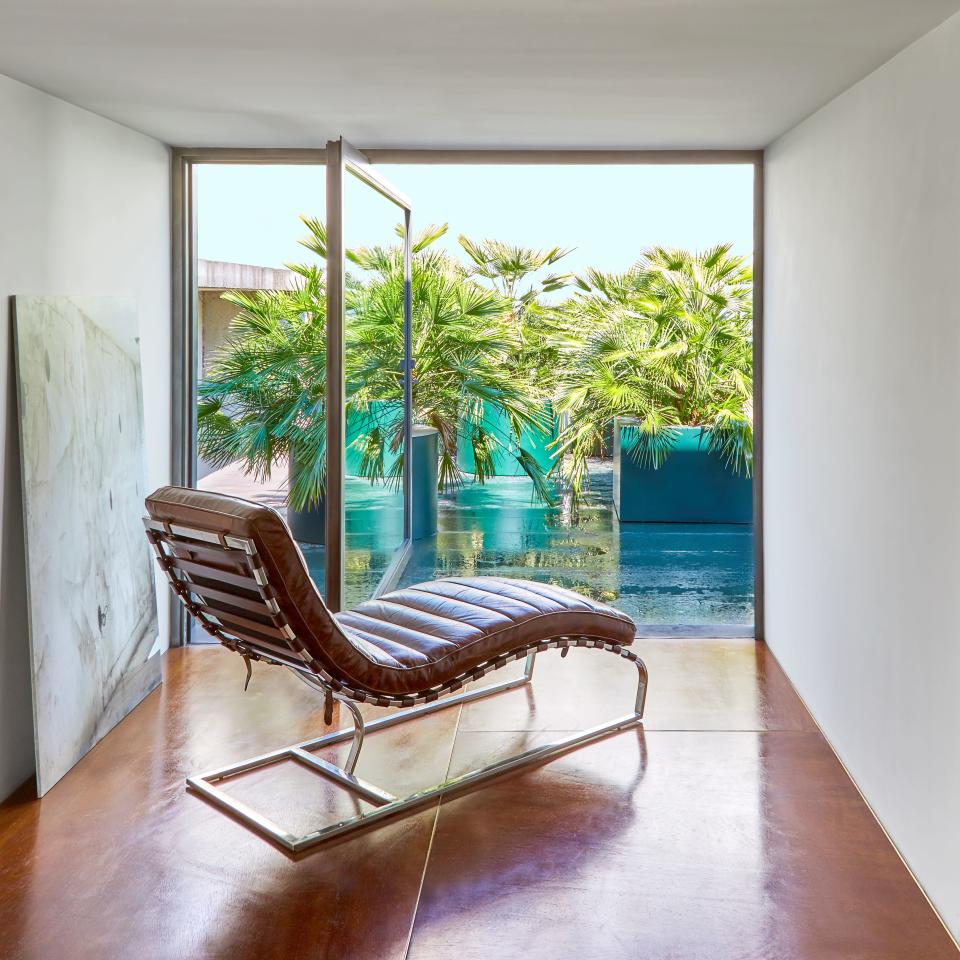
(308, 525)
(424, 462)
(691, 485)
(535, 442)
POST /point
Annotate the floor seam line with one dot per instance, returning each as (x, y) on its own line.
(652, 730)
(433, 833)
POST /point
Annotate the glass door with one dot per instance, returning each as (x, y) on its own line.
(369, 387)
(255, 357)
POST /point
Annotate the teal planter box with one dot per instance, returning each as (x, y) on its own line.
(505, 462)
(308, 525)
(424, 464)
(691, 486)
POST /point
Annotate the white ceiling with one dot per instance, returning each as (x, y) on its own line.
(451, 73)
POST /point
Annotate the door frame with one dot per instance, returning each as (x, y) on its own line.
(343, 160)
(184, 288)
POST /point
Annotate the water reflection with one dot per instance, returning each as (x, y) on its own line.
(669, 574)
(693, 574)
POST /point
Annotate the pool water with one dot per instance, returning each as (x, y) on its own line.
(672, 579)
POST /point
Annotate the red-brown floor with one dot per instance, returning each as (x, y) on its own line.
(726, 828)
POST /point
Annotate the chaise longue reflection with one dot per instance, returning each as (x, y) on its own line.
(236, 568)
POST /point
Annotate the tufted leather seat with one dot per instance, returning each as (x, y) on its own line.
(400, 644)
(448, 626)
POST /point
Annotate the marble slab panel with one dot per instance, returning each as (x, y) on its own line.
(93, 610)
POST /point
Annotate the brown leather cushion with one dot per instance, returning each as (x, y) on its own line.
(406, 641)
(442, 628)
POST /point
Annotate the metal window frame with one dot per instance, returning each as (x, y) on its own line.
(183, 243)
(343, 159)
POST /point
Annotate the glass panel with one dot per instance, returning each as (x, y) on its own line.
(374, 487)
(260, 341)
(617, 315)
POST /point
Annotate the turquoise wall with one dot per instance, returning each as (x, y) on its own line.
(691, 486)
(360, 423)
(505, 461)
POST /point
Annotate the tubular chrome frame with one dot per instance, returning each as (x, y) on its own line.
(387, 804)
(240, 636)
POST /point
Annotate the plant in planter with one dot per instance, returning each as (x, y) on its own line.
(264, 397)
(513, 272)
(668, 345)
(465, 347)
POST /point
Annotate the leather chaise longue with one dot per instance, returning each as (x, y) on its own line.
(236, 568)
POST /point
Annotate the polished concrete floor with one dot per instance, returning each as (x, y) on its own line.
(725, 828)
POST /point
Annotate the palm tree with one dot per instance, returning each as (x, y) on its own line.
(465, 347)
(264, 398)
(508, 266)
(668, 343)
(510, 269)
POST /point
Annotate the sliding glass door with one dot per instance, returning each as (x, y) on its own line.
(369, 388)
(298, 360)
(253, 232)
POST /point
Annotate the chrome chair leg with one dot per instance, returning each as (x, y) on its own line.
(528, 665)
(642, 678)
(386, 804)
(359, 727)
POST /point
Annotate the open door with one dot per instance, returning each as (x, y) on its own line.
(369, 380)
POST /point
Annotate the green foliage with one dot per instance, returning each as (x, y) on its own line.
(463, 344)
(511, 270)
(668, 343)
(508, 266)
(264, 398)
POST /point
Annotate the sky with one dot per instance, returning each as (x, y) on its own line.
(607, 215)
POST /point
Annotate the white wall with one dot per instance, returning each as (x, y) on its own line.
(84, 209)
(862, 440)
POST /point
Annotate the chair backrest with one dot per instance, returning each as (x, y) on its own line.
(237, 569)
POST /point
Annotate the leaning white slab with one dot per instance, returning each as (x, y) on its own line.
(93, 612)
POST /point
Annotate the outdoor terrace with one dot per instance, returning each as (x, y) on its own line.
(671, 578)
